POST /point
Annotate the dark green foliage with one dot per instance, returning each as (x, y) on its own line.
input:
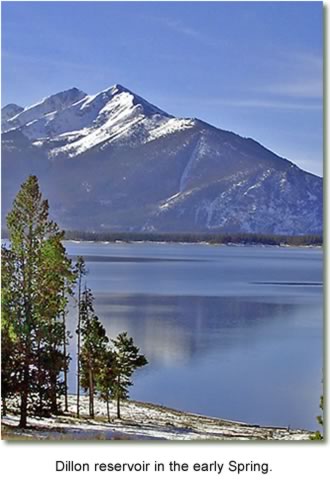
(106, 378)
(80, 270)
(318, 435)
(37, 281)
(67, 289)
(126, 360)
(56, 283)
(93, 354)
(10, 346)
(35, 272)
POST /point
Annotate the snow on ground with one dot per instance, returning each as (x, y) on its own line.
(140, 421)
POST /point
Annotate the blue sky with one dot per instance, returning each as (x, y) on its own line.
(251, 67)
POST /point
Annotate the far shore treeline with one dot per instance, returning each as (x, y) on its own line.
(37, 281)
(212, 238)
(313, 240)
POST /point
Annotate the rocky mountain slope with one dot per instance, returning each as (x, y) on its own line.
(113, 161)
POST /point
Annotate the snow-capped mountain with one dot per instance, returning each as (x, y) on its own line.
(33, 120)
(9, 111)
(114, 161)
(77, 122)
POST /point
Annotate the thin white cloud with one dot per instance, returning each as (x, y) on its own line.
(268, 104)
(186, 30)
(179, 27)
(243, 103)
(42, 61)
(45, 60)
(299, 75)
(304, 89)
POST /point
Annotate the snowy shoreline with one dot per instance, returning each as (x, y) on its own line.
(140, 421)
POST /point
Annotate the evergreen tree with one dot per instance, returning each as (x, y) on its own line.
(93, 349)
(65, 342)
(38, 264)
(55, 281)
(80, 272)
(106, 378)
(10, 353)
(318, 435)
(126, 360)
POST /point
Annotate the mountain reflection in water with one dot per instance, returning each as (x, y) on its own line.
(171, 329)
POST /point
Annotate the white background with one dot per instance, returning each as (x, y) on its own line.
(288, 460)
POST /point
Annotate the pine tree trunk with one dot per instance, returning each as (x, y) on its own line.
(52, 372)
(40, 407)
(23, 413)
(52, 390)
(108, 408)
(24, 397)
(91, 390)
(66, 404)
(118, 406)
(66, 407)
(27, 281)
(118, 398)
(78, 349)
(53, 383)
(40, 401)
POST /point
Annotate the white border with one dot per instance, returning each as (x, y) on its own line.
(36, 460)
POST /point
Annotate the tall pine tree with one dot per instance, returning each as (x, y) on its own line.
(80, 272)
(56, 277)
(106, 378)
(39, 267)
(93, 349)
(11, 312)
(126, 360)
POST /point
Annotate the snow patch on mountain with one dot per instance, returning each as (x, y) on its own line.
(54, 103)
(77, 122)
(167, 127)
(121, 120)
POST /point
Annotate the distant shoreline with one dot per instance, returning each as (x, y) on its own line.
(145, 242)
(223, 239)
(235, 239)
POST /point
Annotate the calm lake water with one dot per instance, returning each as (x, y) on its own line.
(232, 332)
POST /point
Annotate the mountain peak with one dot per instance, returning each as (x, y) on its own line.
(140, 168)
(10, 111)
(66, 97)
(54, 103)
(117, 88)
(11, 106)
(146, 107)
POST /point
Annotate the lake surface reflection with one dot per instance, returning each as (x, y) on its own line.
(233, 332)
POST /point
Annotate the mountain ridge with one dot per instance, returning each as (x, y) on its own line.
(115, 161)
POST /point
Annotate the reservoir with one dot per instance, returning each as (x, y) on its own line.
(229, 331)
